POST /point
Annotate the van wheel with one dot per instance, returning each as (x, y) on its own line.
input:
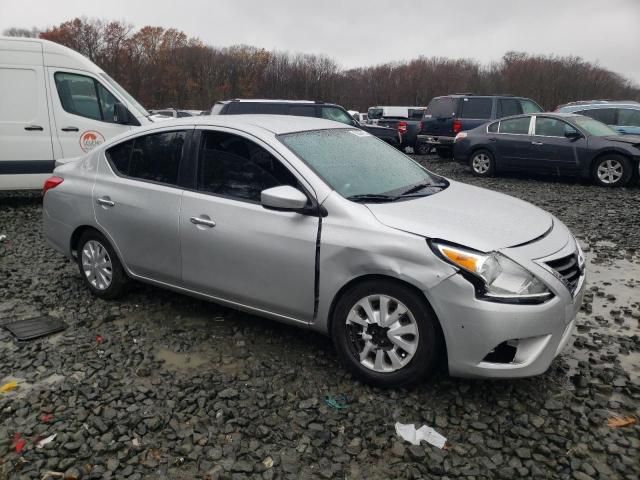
(612, 170)
(386, 334)
(100, 267)
(482, 163)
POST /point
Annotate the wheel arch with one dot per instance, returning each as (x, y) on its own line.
(80, 230)
(612, 151)
(387, 278)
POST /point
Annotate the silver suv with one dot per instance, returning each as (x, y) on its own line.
(323, 226)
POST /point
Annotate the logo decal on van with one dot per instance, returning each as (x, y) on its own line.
(90, 139)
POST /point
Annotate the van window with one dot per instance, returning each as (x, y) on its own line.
(508, 107)
(18, 104)
(337, 115)
(476, 108)
(515, 125)
(604, 115)
(442, 107)
(237, 108)
(84, 96)
(235, 167)
(628, 117)
(154, 158)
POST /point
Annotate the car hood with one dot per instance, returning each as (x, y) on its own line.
(632, 139)
(470, 216)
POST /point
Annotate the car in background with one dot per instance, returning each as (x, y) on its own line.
(407, 121)
(551, 143)
(448, 115)
(623, 116)
(359, 117)
(176, 113)
(303, 108)
(320, 225)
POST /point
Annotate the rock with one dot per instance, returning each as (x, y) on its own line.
(72, 474)
(398, 449)
(228, 393)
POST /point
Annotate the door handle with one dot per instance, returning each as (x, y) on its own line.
(536, 143)
(70, 129)
(31, 128)
(203, 221)
(105, 202)
(493, 139)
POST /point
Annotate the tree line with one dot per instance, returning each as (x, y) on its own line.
(164, 67)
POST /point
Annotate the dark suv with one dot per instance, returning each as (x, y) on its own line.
(304, 108)
(446, 116)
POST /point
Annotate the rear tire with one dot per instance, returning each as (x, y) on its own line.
(369, 348)
(100, 267)
(422, 149)
(482, 163)
(612, 170)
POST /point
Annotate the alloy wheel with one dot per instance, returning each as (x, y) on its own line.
(481, 163)
(382, 333)
(96, 265)
(610, 171)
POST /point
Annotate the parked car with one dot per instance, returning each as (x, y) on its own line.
(552, 143)
(303, 108)
(54, 104)
(359, 117)
(379, 112)
(407, 121)
(623, 116)
(446, 116)
(176, 113)
(320, 225)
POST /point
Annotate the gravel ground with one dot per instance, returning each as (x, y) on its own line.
(160, 385)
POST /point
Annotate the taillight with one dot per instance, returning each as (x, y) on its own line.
(419, 126)
(457, 126)
(51, 182)
(402, 127)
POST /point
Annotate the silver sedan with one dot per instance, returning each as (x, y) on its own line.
(323, 226)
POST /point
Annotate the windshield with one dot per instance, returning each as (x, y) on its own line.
(132, 101)
(355, 163)
(594, 127)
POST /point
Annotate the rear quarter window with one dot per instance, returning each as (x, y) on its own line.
(493, 128)
(442, 107)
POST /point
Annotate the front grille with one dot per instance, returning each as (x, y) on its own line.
(568, 270)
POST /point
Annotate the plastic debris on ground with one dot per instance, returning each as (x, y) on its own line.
(18, 443)
(413, 436)
(338, 402)
(7, 387)
(44, 441)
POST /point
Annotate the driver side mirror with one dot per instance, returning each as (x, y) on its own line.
(572, 134)
(121, 114)
(284, 198)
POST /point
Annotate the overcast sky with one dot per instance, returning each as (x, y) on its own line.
(365, 32)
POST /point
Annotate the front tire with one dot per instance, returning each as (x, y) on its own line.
(482, 163)
(612, 170)
(100, 267)
(386, 334)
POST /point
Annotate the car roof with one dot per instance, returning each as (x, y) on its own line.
(276, 124)
(599, 105)
(473, 95)
(272, 100)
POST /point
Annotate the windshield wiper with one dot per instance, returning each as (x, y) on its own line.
(422, 186)
(372, 197)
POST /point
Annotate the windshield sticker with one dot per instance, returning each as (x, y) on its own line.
(90, 139)
(359, 133)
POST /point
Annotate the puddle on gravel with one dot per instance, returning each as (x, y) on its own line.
(178, 361)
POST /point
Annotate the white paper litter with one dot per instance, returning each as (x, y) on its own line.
(428, 434)
(44, 441)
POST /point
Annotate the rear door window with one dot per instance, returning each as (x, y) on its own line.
(443, 107)
(604, 115)
(476, 108)
(508, 107)
(519, 126)
(154, 157)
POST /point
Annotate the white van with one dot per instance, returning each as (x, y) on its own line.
(54, 104)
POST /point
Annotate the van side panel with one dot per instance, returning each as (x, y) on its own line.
(26, 156)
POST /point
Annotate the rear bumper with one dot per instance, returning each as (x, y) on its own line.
(436, 141)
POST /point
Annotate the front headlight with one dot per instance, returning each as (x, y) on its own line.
(496, 277)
